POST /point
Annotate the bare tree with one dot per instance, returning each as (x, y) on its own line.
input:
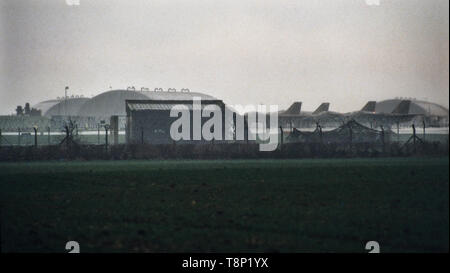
(19, 110)
(69, 128)
(27, 109)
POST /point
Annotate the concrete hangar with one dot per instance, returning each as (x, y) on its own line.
(108, 103)
(144, 115)
(88, 112)
(150, 121)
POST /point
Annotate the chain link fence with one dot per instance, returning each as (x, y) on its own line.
(20, 138)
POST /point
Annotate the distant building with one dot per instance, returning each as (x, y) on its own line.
(112, 103)
(433, 114)
(149, 121)
(89, 112)
(61, 107)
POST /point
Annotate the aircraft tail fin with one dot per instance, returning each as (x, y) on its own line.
(402, 107)
(322, 108)
(294, 109)
(369, 107)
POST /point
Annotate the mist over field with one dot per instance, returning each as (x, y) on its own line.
(271, 52)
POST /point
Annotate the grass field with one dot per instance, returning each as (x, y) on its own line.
(334, 205)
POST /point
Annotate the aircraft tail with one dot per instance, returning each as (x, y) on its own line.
(369, 107)
(322, 108)
(402, 107)
(294, 109)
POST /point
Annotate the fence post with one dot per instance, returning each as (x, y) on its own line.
(351, 136)
(320, 135)
(18, 136)
(0, 137)
(414, 136)
(246, 133)
(281, 139)
(48, 129)
(115, 129)
(35, 136)
(319, 130)
(106, 137)
(68, 136)
(382, 138)
(423, 121)
(234, 127)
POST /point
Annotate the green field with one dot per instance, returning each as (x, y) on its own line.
(320, 205)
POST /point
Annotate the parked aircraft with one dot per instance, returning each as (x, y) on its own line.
(367, 116)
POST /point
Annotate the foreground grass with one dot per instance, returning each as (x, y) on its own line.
(331, 205)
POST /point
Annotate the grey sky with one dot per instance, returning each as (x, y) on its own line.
(272, 52)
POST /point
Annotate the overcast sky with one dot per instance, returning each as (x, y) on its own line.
(272, 52)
